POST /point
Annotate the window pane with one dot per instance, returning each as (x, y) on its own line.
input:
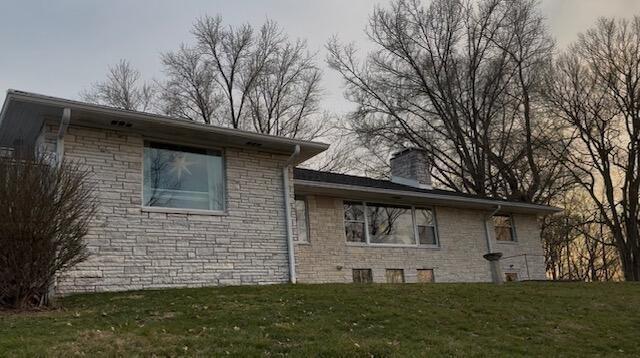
(390, 224)
(301, 220)
(426, 227)
(179, 177)
(427, 235)
(362, 276)
(394, 275)
(353, 211)
(503, 228)
(354, 231)
(425, 275)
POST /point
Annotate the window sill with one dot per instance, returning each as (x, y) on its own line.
(303, 243)
(506, 242)
(390, 246)
(150, 209)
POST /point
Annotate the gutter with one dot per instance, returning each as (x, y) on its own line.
(64, 124)
(287, 211)
(532, 208)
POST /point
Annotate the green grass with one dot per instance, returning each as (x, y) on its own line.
(540, 319)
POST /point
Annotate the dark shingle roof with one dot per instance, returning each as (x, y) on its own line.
(344, 179)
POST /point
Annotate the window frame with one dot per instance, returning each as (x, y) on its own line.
(306, 218)
(169, 210)
(364, 223)
(514, 236)
(368, 242)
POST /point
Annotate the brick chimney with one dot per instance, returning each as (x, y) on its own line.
(411, 167)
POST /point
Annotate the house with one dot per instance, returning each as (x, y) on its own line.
(187, 204)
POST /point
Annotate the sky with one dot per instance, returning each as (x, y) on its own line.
(60, 47)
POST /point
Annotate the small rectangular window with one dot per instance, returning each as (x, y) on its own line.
(425, 276)
(362, 276)
(503, 226)
(183, 177)
(302, 220)
(511, 276)
(354, 221)
(394, 275)
(426, 227)
(390, 224)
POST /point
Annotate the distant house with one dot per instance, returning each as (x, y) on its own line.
(187, 204)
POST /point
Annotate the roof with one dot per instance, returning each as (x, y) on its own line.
(314, 181)
(23, 114)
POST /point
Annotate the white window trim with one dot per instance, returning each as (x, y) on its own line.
(169, 210)
(368, 242)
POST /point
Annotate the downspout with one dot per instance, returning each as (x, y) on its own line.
(62, 130)
(493, 257)
(287, 212)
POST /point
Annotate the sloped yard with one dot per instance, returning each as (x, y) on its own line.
(541, 319)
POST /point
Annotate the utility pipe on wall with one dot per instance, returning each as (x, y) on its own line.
(287, 212)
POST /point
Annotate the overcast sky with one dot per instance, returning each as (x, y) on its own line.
(60, 47)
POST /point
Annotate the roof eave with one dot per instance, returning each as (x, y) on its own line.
(354, 191)
(309, 148)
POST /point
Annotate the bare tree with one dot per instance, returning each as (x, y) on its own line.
(245, 78)
(596, 90)
(123, 88)
(462, 81)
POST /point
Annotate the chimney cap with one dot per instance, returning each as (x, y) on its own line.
(406, 150)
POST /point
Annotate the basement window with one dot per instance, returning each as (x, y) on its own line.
(182, 177)
(394, 275)
(362, 276)
(425, 276)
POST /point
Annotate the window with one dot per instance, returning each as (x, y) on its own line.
(389, 224)
(426, 227)
(503, 226)
(302, 220)
(362, 276)
(394, 275)
(183, 177)
(354, 221)
(425, 275)
(511, 276)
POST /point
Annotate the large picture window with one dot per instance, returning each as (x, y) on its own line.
(390, 224)
(183, 177)
(386, 224)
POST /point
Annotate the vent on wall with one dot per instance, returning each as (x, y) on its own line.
(120, 124)
(254, 144)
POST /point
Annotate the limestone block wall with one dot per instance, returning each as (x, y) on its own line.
(329, 258)
(133, 249)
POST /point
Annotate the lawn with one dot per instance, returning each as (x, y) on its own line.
(541, 319)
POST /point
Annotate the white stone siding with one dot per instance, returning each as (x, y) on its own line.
(329, 258)
(133, 249)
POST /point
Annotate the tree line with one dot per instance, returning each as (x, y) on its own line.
(478, 85)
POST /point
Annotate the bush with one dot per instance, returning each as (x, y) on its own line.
(45, 210)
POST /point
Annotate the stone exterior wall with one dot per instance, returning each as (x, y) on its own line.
(329, 258)
(134, 249)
